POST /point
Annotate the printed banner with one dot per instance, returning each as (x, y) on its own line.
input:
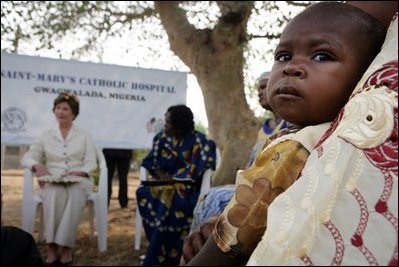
(122, 107)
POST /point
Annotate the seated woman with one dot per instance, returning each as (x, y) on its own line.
(178, 159)
(70, 157)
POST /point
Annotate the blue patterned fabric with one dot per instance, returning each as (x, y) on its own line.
(167, 210)
(267, 130)
(213, 203)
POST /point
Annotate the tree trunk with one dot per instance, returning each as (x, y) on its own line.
(216, 58)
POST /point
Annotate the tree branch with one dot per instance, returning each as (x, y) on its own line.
(267, 36)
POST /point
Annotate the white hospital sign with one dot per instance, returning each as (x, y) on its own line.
(118, 104)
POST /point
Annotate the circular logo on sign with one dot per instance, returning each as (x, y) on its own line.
(13, 120)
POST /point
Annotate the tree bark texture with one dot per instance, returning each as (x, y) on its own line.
(216, 57)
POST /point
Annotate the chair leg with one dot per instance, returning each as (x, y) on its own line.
(101, 206)
(139, 226)
(30, 210)
(41, 223)
(28, 217)
(91, 219)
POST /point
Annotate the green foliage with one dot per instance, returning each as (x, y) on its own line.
(79, 29)
(201, 127)
(96, 176)
(139, 154)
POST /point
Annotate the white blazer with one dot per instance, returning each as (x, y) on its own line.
(75, 153)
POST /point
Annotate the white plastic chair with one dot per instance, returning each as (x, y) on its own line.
(205, 186)
(96, 201)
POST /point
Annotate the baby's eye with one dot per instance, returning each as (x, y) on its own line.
(281, 57)
(322, 56)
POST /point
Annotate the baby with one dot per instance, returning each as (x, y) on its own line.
(320, 58)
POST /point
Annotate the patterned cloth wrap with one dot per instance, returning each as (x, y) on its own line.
(167, 210)
(212, 204)
(243, 221)
(343, 209)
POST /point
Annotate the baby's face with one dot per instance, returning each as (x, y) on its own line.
(315, 70)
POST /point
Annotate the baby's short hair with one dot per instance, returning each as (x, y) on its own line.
(368, 32)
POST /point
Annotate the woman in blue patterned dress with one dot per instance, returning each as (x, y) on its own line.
(177, 162)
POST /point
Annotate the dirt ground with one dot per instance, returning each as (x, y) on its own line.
(120, 250)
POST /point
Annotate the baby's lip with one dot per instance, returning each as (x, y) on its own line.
(287, 90)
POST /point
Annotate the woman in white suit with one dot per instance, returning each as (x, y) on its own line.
(62, 159)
